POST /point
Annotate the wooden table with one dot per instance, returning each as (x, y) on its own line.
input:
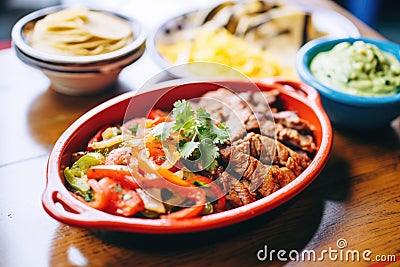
(356, 198)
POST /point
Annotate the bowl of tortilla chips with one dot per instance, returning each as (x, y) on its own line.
(81, 50)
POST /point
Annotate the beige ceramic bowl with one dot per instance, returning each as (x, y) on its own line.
(77, 75)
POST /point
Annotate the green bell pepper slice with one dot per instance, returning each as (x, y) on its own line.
(75, 175)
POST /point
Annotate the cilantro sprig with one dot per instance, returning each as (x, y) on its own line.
(199, 135)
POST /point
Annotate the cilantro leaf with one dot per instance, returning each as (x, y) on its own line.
(118, 188)
(221, 133)
(187, 148)
(183, 114)
(209, 152)
(203, 116)
(199, 133)
(163, 130)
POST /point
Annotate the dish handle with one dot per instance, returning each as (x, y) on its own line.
(300, 89)
(62, 206)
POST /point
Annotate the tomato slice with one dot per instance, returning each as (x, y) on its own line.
(156, 152)
(100, 197)
(126, 202)
(106, 183)
(121, 201)
(157, 155)
(216, 190)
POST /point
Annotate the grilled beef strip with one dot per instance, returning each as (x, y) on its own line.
(251, 158)
(265, 164)
(248, 112)
(238, 193)
(294, 131)
(289, 128)
(268, 151)
(242, 164)
(258, 100)
(224, 105)
(291, 119)
(283, 174)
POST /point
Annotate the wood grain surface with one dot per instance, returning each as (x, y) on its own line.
(355, 199)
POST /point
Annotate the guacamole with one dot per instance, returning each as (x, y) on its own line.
(359, 68)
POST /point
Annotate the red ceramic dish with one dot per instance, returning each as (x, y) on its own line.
(61, 205)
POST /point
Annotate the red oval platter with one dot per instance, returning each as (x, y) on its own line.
(61, 205)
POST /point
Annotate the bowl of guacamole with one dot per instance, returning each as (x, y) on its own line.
(358, 79)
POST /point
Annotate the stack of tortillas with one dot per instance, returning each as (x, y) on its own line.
(80, 32)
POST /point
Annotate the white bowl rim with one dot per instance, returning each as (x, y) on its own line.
(19, 41)
(103, 67)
